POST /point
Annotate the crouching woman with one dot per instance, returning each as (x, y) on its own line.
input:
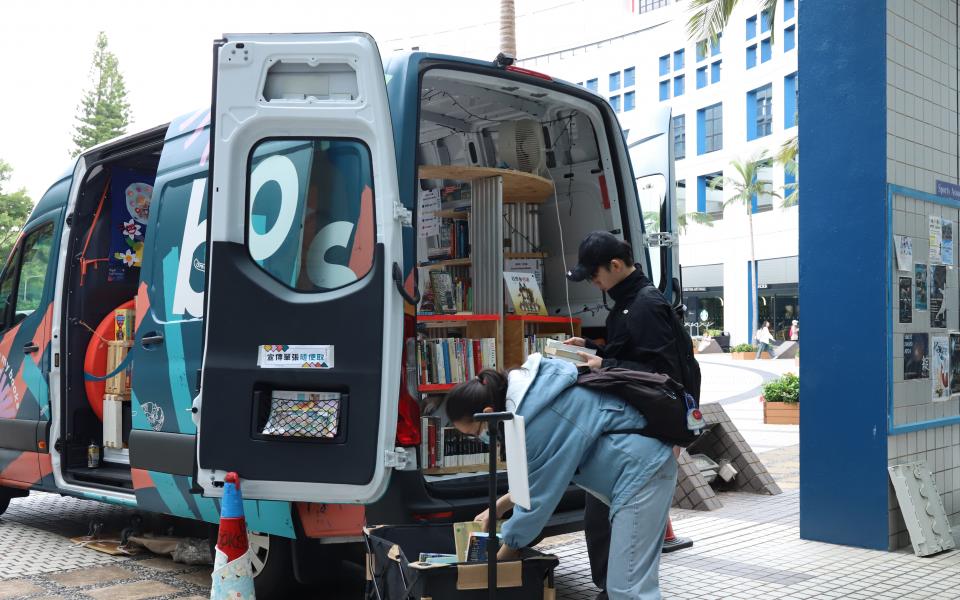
(568, 439)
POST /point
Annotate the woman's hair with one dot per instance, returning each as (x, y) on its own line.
(489, 388)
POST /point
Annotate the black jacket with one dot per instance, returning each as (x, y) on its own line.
(639, 332)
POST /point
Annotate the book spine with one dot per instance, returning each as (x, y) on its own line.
(432, 449)
(424, 443)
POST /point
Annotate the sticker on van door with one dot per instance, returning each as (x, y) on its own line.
(282, 356)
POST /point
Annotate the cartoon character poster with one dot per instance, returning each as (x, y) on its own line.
(130, 195)
(940, 367)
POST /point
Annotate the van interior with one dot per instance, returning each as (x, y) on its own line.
(477, 120)
(108, 226)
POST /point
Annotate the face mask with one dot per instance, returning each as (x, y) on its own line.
(484, 436)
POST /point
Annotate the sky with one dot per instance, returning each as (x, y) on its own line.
(164, 51)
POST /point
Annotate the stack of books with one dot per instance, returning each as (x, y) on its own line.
(446, 447)
(454, 360)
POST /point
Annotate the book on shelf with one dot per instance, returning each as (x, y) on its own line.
(524, 293)
(447, 447)
(454, 360)
(558, 350)
(444, 301)
(538, 342)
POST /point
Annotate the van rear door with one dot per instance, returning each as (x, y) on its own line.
(651, 150)
(303, 322)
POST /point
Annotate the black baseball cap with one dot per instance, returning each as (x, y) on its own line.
(596, 250)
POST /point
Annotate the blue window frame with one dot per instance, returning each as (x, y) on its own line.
(715, 72)
(592, 85)
(629, 77)
(678, 60)
(665, 89)
(664, 64)
(615, 103)
(678, 86)
(629, 101)
(614, 81)
(679, 137)
(710, 194)
(765, 52)
(751, 56)
(710, 128)
(791, 96)
(789, 38)
(701, 77)
(760, 112)
(788, 10)
(764, 22)
(751, 28)
(715, 45)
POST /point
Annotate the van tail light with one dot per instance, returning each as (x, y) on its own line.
(523, 71)
(408, 419)
(434, 516)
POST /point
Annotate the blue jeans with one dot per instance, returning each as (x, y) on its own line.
(637, 535)
(762, 347)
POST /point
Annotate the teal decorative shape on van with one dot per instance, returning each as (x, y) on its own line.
(173, 346)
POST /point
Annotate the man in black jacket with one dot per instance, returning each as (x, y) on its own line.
(639, 337)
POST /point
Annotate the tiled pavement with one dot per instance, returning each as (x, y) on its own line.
(750, 548)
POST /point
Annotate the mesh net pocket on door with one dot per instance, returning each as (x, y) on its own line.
(303, 414)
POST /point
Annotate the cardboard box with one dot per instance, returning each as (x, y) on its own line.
(114, 419)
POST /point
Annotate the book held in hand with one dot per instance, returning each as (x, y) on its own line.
(567, 352)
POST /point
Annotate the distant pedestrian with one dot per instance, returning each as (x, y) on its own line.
(795, 331)
(764, 339)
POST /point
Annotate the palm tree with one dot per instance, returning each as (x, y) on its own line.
(747, 186)
(651, 220)
(709, 17)
(508, 28)
(789, 157)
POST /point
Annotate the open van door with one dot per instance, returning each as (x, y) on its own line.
(301, 365)
(651, 147)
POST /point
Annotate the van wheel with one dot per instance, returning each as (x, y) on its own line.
(272, 562)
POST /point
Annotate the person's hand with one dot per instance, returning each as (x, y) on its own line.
(507, 553)
(484, 519)
(575, 341)
(592, 360)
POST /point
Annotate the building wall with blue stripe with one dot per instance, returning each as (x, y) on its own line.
(843, 442)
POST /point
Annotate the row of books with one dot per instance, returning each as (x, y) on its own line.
(448, 447)
(453, 240)
(454, 360)
(445, 294)
(538, 343)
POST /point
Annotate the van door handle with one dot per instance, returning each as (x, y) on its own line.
(151, 339)
(30, 348)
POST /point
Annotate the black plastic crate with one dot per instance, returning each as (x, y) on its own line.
(394, 573)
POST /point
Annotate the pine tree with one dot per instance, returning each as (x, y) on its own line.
(104, 112)
(15, 207)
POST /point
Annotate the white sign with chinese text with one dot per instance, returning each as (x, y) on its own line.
(283, 356)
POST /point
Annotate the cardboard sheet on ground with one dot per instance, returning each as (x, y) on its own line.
(515, 440)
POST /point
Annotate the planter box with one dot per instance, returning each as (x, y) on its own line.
(748, 355)
(781, 413)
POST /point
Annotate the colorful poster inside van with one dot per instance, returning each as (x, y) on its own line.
(130, 195)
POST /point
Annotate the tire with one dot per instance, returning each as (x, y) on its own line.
(272, 561)
(272, 565)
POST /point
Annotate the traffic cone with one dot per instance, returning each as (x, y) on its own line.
(232, 567)
(673, 542)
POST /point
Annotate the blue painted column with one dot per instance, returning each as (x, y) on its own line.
(843, 442)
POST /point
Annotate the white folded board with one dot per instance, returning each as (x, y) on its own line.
(515, 441)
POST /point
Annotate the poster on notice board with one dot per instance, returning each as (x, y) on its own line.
(954, 364)
(937, 284)
(940, 367)
(904, 247)
(906, 300)
(916, 362)
(920, 286)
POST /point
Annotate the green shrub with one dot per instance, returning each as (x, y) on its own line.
(744, 348)
(783, 389)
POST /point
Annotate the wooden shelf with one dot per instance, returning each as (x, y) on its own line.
(453, 214)
(452, 262)
(481, 468)
(435, 388)
(517, 185)
(542, 319)
(459, 317)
